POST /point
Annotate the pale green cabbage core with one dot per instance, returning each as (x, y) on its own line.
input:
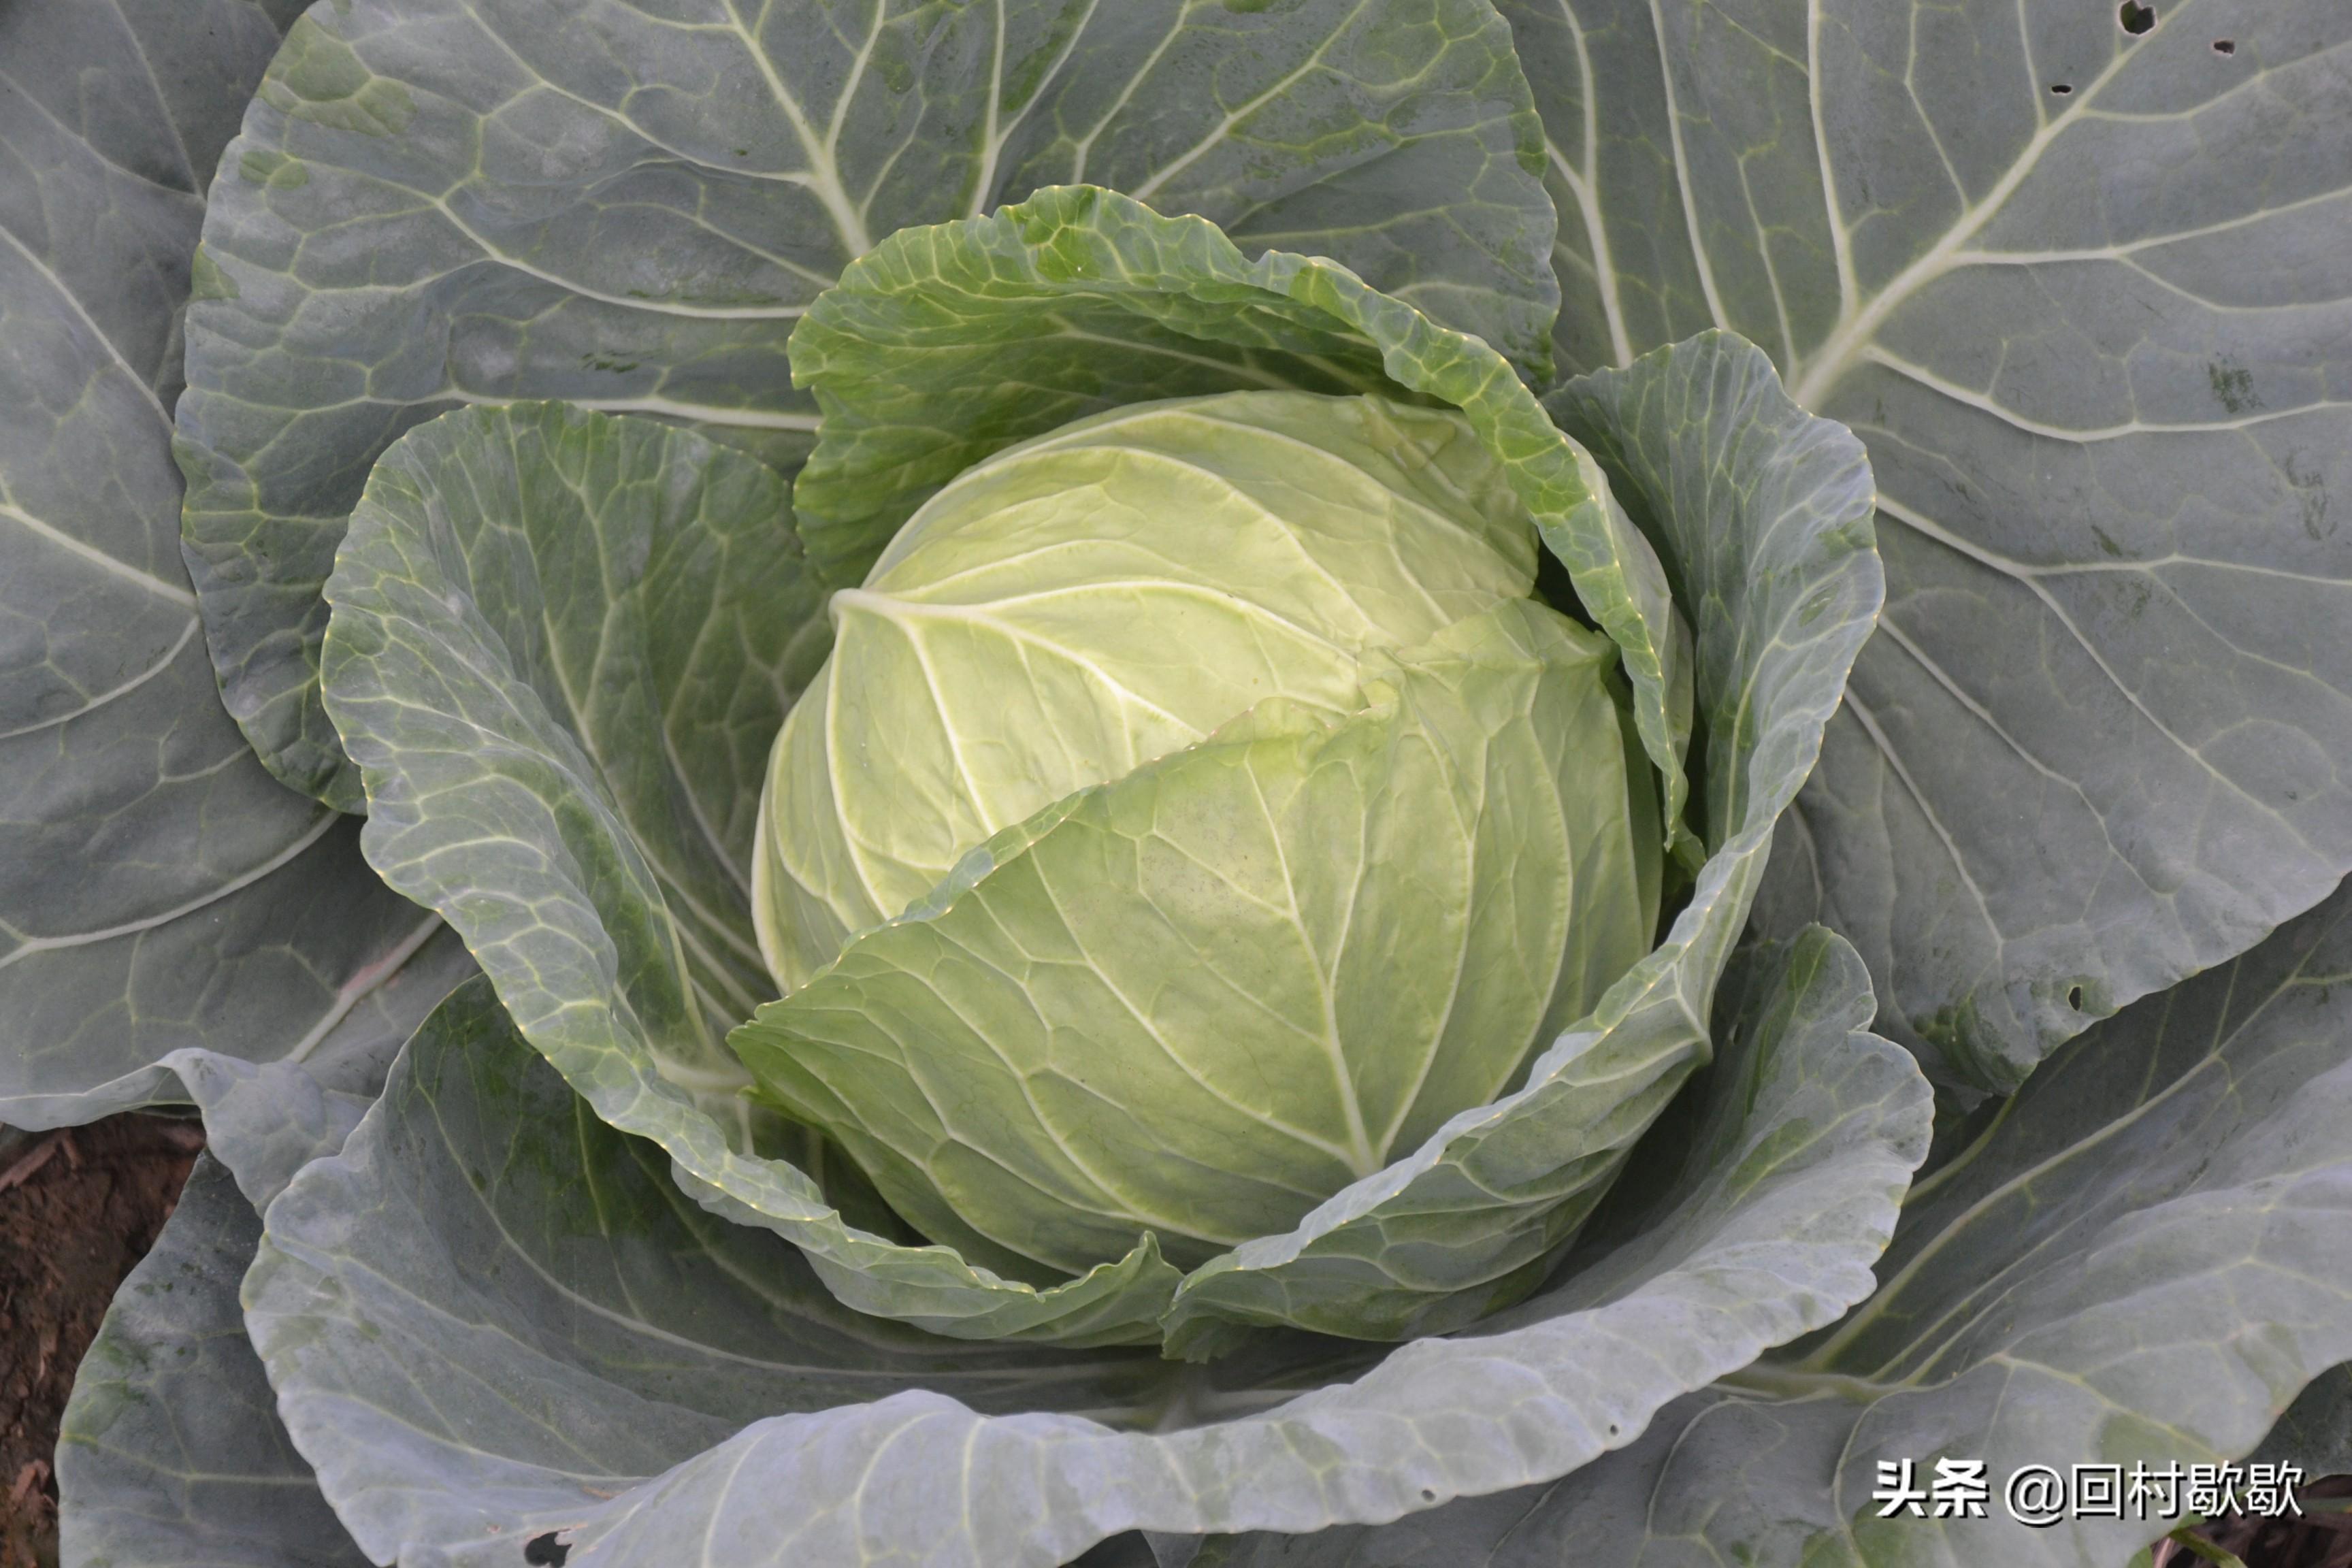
(1209, 815)
(1081, 603)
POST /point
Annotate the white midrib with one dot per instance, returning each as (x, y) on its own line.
(1085, 145)
(1856, 326)
(823, 174)
(1840, 243)
(991, 140)
(1584, 186)
(1225, 127)
(1856, 1325)
(1401, 501)
(891, 607)
(1945, 387)
(625, 301)
(2337, 194)
(1684, 185)
(360, 983)
(907, 617)
(1264, 378)
(1604, 261)
(1605, 266)
(2032, 583)
(1359, 1157)
(708, 413)
(734, 418)
(1000, 136)
(590, 741)
(1920, 801)
(1145, 457)
(80, 313)
(906, 614)
(122, 570)
(1436, 1045)
(1108, 978)
(850, 88)
(831, 750)
(188, 165)
(28, 946)
(163, 662)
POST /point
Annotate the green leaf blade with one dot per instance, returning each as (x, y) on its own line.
(170, 1451)
(2078, 291)
(1171, 308)
(553, 625)
(435, 1236)
(159, 892)
(444, 202)
(1761, 514)
(2139, 1261)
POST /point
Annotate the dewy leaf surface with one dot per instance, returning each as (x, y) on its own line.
(436, 202)
(590, 1339)
(2084, 295)
(2142, 1260)
(562, 642)
(159, 891)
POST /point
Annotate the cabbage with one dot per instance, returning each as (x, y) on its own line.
(1208, 815)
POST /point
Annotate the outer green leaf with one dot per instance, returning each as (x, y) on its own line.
(2096, 339)
(346, 1053)
(562, 642)
(2316, 1432)
(157, 890)
(172, 1453)
(529, 1314)
(1395, 136)
(1042, 1061)
(486, 1238)
(2142, 1258)
(952, 342)
(443, 201)
(646, 588)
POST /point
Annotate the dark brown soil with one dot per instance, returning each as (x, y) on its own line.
(77, 1210)
(2320, 1537)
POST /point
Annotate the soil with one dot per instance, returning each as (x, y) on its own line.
(2320, 1537)
(77, 1209)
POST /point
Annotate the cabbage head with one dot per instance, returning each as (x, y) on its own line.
(1247, 818)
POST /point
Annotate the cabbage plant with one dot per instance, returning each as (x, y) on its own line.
(1358, 782)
